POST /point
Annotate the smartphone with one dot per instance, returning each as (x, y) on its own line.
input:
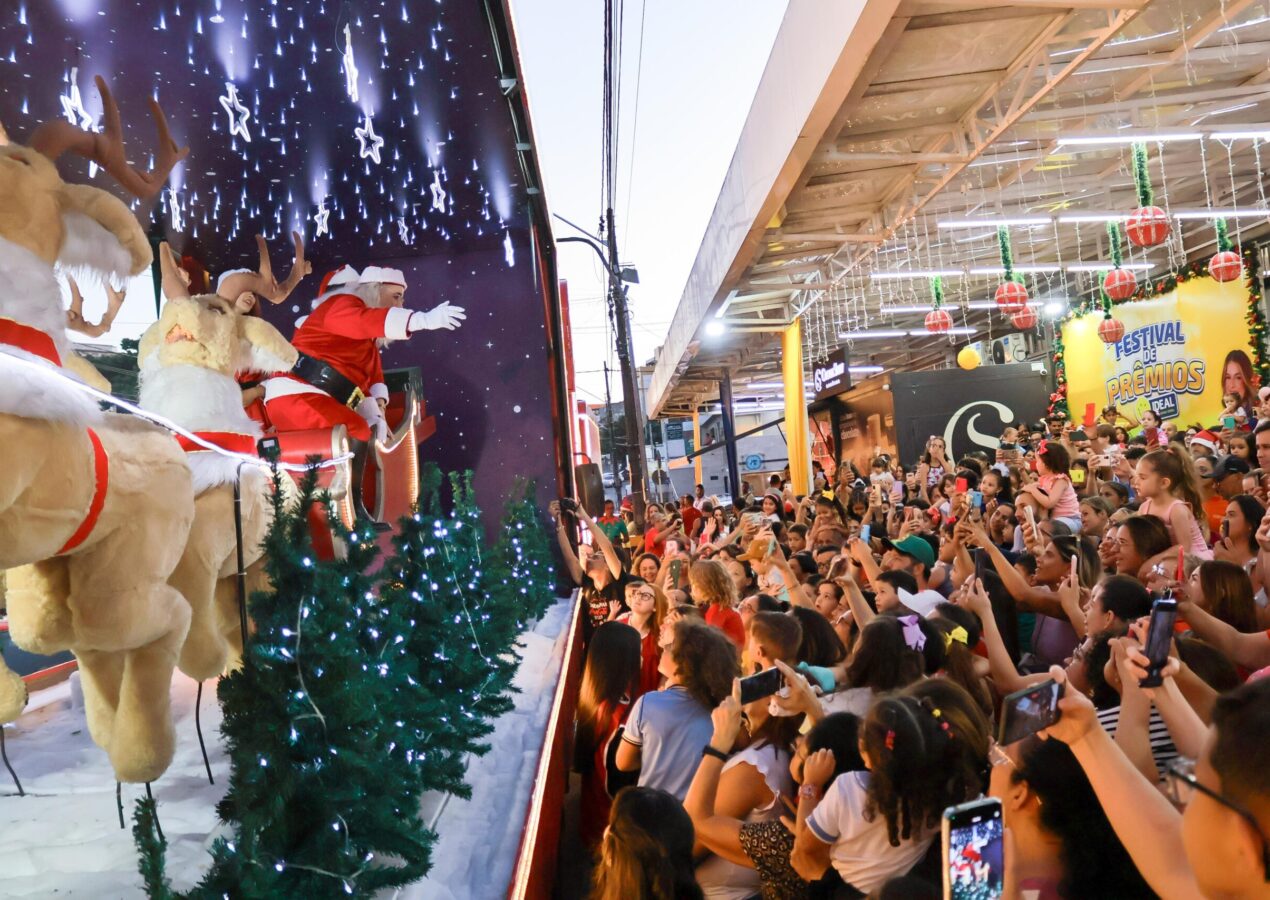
(568, 504)
(1030, 710)
(1080, 435)
(751, 519)
(876, 491)
(1228, 422)
(866, 531)
(1031, 516)
(764, 684)
(974, 852)
(976, 500)
(1078, 475)
(676, 565)
(1159, 639)
(671, 547)
(1152, 436)
(981, 564)
(1089, 415)
(961, 486)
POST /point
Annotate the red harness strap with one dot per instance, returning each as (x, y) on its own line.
(101, 471)
(226, 440)
(32, 340)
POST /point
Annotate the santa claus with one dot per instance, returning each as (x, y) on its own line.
(338, 379)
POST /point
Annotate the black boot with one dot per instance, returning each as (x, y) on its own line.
(361, 450)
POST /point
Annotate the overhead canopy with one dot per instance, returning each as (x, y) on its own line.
(936, 111)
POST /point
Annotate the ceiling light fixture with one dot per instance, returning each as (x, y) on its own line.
(898, 274)
(922, 332)
(1093, 140)
(876, 333)
(716, 328)
(1021, 221)
(1104, 266)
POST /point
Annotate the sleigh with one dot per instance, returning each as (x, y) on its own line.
(391, 482)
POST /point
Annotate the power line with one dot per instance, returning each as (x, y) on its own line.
(639, 73)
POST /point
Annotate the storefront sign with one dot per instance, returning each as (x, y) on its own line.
(939, 404)
(1180, 352)
(831, 377)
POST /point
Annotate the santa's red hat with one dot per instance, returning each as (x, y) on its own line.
(344, 276)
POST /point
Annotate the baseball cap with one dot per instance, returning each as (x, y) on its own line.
(1229, 465)
(758, 549)
(915, 547)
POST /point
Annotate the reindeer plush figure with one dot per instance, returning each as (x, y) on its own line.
(94, 507)
(188, 362)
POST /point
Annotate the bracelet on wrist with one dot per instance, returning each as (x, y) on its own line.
(809, 791)
(709, 750)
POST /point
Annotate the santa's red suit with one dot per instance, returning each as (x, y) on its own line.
(339, 339)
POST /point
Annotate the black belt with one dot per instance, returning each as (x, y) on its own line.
(325, 377)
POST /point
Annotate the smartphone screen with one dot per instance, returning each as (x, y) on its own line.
(675, 567)
(961, 486)
(764, 684)
(976, 499)
(1159, 639)
(974, 857)
(1028, 711)
(866, 531)
(1229, 422)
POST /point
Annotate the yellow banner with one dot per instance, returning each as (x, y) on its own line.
(1180, 353)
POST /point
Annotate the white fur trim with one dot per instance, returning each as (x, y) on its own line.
(196, 398)
(91, 250)
(223, 275)
(344, 275)
(382, 275)
(397, 324)
(283, 386)
(256, 359)
(32, 296)
(379, 390)
(211, 470)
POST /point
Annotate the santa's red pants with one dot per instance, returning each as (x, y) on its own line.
(300, 412)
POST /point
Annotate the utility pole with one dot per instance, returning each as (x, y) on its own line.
(631, 399)
(608, 409)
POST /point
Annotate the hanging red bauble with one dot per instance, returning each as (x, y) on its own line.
(1148, 226)
(1120, 284)
(938, 321)
(1011, 297)
(1025, 318)
(1225, 266)
(1110, 330)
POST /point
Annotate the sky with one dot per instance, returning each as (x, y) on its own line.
(695, 79)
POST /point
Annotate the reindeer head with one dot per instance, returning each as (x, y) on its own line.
(210, 332)
(75, 225)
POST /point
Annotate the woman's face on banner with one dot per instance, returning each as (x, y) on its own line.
(1233, 381)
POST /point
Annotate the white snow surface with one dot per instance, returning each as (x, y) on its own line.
(63, 839)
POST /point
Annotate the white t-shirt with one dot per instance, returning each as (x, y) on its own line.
(848, 700)
(861, 852)
(721, 879)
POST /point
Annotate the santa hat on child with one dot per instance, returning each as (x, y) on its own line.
(1205, 439)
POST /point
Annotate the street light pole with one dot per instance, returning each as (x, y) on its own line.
(631, 399)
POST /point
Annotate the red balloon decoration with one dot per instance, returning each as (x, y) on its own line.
(1225, 266)
(1011, 297)
(1025, 318)
(1110, 330)
(1148, 226)
(938, 321)
(1120, 284)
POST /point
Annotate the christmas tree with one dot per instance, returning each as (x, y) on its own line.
(318, 802)
(522, 572)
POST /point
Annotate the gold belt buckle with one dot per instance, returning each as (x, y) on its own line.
(356, 398)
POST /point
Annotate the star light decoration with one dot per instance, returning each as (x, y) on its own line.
(174, 208)
(73, 109)
(438, 192)
(371, 143)
(238, 114)
(350, 65)
(322, 219)
(509, 251)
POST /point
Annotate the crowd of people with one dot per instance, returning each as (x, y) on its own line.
(899, 607)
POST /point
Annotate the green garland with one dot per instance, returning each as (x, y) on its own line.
(937, 290)
(1141, 179)
(1007, 254)
(1254, 317)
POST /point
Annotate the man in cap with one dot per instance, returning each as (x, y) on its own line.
(338, 379)
(1228, 476)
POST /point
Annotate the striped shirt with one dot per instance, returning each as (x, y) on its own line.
(1162, 749)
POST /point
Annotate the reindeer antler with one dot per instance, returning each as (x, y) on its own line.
(174, 286)
(263, 282)
(107, 148)
(75, 314)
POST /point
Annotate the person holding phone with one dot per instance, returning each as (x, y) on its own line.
(1217, 846)
(712, 588)
(1064, 845)
(602, 579)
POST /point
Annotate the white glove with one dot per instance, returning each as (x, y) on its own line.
(444, 316)
(369, 410)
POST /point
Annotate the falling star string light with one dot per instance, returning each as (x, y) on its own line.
(350, 64)
(438, 192)
(238, 114)
(73, 110)
(322, 219)
(509, 250)
(371, 143)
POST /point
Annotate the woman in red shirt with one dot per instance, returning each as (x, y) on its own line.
(647, 609)
(714, 590)
(610, 684)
